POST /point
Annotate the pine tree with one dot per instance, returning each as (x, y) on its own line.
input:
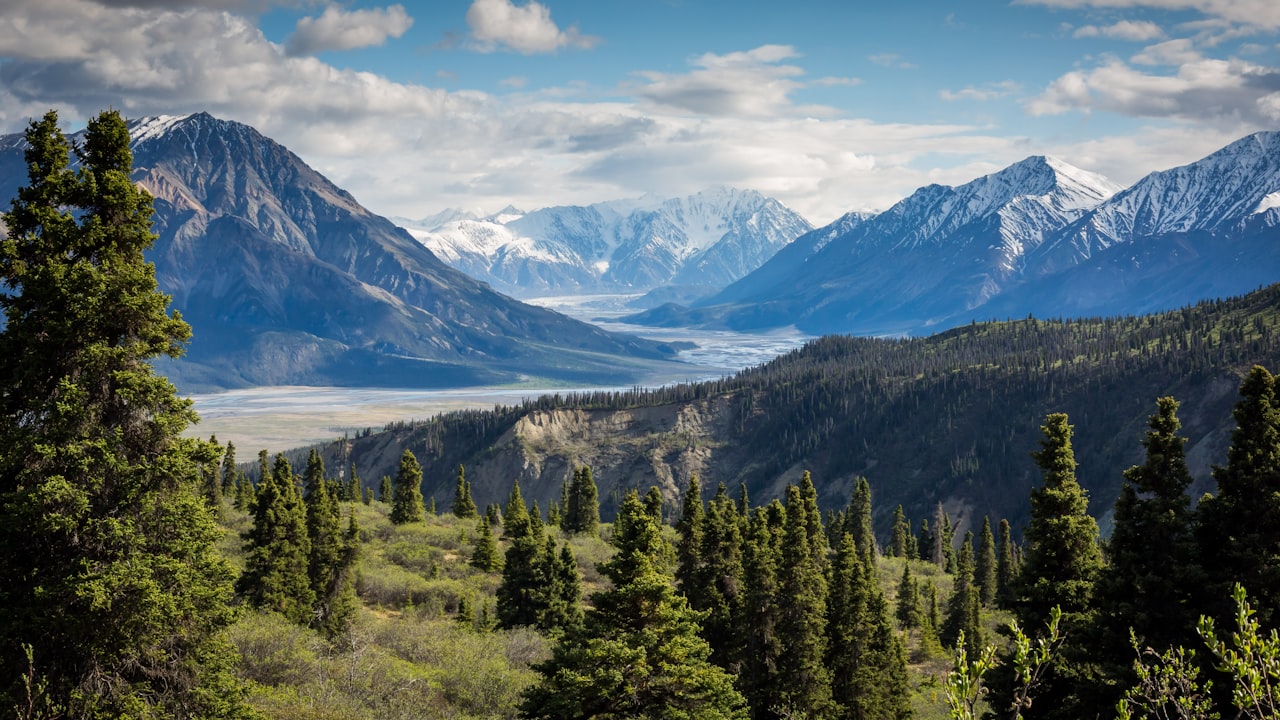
(385, 491)
(582, 513)
(329, 553)
(1006, 568)
(209, 464)
(940, 538)
(245, 492)
(984, 568)
(689, 542)
(653, 503)
(860, 519)
(485, 555)
(909, 612)
(804, 681)
(406, 495)
(229, 471)
(354, 486)
(463, 506)
(1239, 528)
(962, 607)
(719, 580)
(521, 596)
(818, 545)
(762, 610)
(560, 609)
(1147, 586)
(899, 545)
(639, 655)
(109, 552)
(278, 549)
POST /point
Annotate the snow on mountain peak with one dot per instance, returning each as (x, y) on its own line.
(149, 128)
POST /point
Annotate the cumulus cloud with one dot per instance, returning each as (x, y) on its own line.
(526, 29)
(1136, 31)
(1226, 93)
(1258, 13)
(989, 91)
(751, 83)
(337, 29)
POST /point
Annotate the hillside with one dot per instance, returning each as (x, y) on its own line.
(287, 280)
(948, 418)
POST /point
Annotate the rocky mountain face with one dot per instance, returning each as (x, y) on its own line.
(286, 279)
(705, 240)
(1038, 237)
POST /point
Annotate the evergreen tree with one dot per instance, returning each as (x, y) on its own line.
(110, 574)
(1239, 529)
(431, 507)
(689, 542)
(209, 465)
(229, 471)
(900, 544)
(485, 555)
(385, 491)
(406, 498)
(521, 596)
(924, 543)
(804, 682)
(1146, 587)
(813, 520)
(909, 612)
(860, 519)
(245, 492)
(639, 655)
(762, 610)
(264, 466)
(1062, 563)
(276, 574)
(962, 607)
(560, 608)
(582, 513)
(940, 538)
(354, 491)
(719, 579)
(463, 506)
(653, 503)
(984, 568)
(329, 552)
(1006, 568)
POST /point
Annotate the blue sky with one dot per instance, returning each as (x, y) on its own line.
(829, 106)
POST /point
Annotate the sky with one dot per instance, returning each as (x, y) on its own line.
(829, 106)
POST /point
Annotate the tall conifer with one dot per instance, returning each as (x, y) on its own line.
(984, 565)
(276, 574)
(804, 681)
(406, 498)
(463, 506)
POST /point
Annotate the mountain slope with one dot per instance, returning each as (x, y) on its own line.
(940, 251)
(709, 239)
(948, 418)
(286, 279)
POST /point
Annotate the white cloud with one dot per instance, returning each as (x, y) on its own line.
(1137, 31)
(748, 83)
(527, 29)
(337, 29)
(891, 60)
(989, 91)
(1171, 53)
(1223, 93)
(1261, 13)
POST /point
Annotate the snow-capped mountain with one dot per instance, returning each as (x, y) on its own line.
(939, 251)
(286, 279)
(708, 239)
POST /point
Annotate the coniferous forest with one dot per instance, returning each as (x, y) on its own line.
(149, 575)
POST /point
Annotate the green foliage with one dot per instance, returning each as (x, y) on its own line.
(485, 556)
(961, 621)
(689, 543)
(1251, 657)
(719, 580)
(1006, 568)
(114, 596)
(278, 549)
(900, 544)
(406, 499)
(804, 680)
(1167, 686)
(762, 608)
(463, 506)
(640, 654)
(582, 511)
(985, 566)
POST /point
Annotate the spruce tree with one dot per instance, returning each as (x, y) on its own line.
(1239, 527)
(860, 519)
(818, 544)
(485, 555)
(329, 553)
(385, 490)
(354, 486)
(560, 606)
(984, 565)
(901, 541)
(521, 596)
(909, 612)
(463, 506)
(582, 514)
(761, 617)
(719, 579)
(276, 574)
(1006, 568)
(653, 503)
(689, 542)
(804, 681)
(229, 471)
(639, 654)
(962, 606)
(110, 573)
(1147, 586)
(209, 464)
(406, 498)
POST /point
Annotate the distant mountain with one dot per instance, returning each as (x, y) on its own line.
(286, 279)
(705, 240)
(935, 255)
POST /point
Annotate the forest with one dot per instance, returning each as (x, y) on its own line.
(146, 574)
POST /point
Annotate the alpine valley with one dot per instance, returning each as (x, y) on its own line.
(1040, 237)
(287, 280)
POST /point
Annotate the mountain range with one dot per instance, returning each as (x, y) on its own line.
(1040, 237)
(703, 241)
(287, 279)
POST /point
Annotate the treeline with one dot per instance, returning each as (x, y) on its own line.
(942, 418)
